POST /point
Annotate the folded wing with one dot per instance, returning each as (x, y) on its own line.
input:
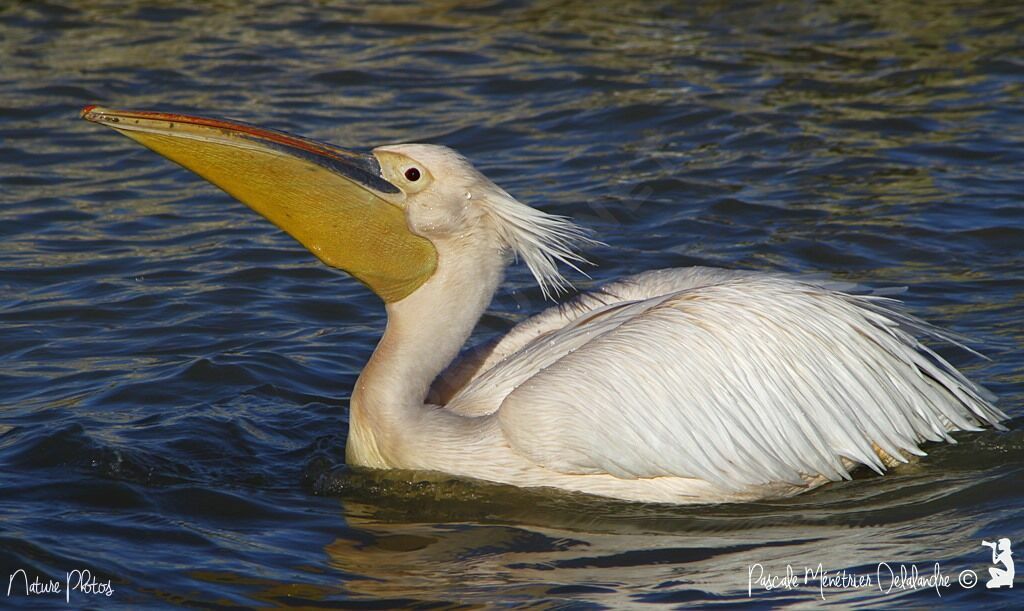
(740, 379)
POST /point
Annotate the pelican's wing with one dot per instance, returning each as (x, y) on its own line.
(748, 380)
(479, 359)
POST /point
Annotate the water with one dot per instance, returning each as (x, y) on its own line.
(174, 372)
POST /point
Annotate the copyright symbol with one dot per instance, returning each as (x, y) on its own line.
(968, 578)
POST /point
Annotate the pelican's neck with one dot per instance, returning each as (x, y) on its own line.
(424, 333)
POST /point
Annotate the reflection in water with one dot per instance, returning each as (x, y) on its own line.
(169, 364)
(467, 540)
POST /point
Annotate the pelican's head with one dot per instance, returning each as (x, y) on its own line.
(381, 217)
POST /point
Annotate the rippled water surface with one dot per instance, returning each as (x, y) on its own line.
(175, 372)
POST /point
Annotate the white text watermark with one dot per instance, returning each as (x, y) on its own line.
(79, 581)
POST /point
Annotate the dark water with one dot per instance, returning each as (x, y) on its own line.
(174, 372)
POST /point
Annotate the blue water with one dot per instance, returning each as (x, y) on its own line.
(175, 372)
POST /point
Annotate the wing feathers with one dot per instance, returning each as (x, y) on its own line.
(746, 380)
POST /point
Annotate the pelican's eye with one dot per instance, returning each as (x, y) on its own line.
(412, 174)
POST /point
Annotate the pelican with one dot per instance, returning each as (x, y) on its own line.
(690, 385)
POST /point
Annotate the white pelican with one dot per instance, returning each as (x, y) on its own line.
(679, 385)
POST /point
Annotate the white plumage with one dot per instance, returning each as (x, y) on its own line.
(679, 385)
(736, 378)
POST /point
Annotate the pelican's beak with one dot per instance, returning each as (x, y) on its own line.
(333, 201)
